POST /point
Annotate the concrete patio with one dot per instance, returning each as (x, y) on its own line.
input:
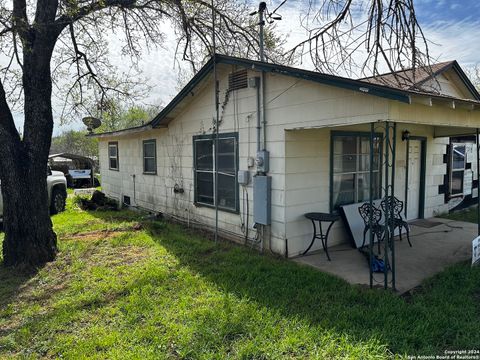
(433, 250)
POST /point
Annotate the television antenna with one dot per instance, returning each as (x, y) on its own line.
(271, 17)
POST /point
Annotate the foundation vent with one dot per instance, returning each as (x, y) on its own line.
(237, 80)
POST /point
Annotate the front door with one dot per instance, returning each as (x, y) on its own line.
(414, 180)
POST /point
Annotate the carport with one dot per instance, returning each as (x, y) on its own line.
(78, 169)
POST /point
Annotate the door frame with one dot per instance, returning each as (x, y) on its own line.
(423, 163)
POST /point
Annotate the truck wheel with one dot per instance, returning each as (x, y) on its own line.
(58, 201)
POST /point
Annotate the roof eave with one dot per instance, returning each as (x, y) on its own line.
(466, 80)
(349, 84)
(122, 132)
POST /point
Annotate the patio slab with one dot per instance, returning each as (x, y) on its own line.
(433, 250)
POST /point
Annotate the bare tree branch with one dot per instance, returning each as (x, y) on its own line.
(344, 37)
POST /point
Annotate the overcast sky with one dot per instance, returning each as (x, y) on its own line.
(451, 26)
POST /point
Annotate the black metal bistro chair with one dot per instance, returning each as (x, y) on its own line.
(397, 221)
(377, 229)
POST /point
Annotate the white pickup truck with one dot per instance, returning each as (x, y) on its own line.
(57, 192)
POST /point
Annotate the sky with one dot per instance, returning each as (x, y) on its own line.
(452, 27)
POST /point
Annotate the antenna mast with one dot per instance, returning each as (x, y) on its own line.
(261, 14)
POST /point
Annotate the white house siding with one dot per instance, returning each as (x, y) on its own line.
(307, 181)
(175, 164)
(299, 163)
(449, 84)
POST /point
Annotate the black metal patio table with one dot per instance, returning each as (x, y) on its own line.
(321, 218)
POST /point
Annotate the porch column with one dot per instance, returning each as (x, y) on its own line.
(478, 184)
(370, 199)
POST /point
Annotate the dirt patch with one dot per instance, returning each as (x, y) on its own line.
(102, 234)
(118, 256)
(94, 235)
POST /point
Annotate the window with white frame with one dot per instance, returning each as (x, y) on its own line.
(351, 168)
(150, 156)
(457, 172)
(113, 155)
(204, 166)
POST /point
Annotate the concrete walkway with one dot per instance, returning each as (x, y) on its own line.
(433, 250)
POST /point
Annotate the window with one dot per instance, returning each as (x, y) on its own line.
(351, 168)
(457, 169)
(204, 164)
(113, 155)
(150, 156)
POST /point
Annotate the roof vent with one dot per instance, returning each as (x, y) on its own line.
(237, 80)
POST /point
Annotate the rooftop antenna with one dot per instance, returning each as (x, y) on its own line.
(262, 9)
(261, 22)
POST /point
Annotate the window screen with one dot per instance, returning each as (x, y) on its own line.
(113, 156)
(351, 169)
(204, 148)
(150, 156)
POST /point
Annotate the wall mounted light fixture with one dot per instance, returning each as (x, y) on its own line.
(405, 135)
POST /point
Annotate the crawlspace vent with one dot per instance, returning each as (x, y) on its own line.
(237, 80)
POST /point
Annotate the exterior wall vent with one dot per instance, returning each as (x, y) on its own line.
(237, 80)
(126, 200)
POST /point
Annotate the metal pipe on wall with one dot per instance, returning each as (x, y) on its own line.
(215, 79)
(264, 118)
(259, 127)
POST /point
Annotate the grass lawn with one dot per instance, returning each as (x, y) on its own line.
(468, 214)
(125, 287)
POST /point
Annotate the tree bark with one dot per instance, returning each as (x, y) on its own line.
(29, 238)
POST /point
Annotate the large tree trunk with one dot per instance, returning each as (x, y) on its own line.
(29, 237)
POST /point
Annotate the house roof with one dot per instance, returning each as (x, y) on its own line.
(413, 79)
(164, 117)
(70, 156)
(368, 86)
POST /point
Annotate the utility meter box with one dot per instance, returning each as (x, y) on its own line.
(262, 199)
(263, 161)
(243, 177)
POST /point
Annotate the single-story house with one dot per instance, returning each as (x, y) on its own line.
(306, 135)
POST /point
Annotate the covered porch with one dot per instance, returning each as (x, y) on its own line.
(410, 163)
(435, 248)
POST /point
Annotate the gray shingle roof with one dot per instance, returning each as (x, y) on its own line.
(410, 79)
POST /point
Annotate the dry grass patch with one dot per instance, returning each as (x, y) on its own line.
(40, 294)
